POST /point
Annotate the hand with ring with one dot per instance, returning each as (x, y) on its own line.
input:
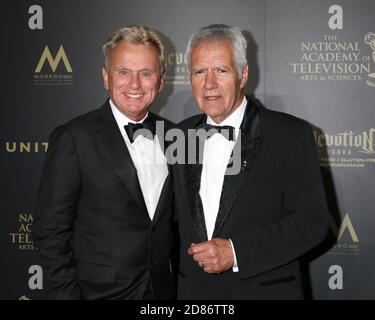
(213, 256)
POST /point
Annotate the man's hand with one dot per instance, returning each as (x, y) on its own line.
(213, 256)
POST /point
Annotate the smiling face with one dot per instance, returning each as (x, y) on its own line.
(133, 78)
(215, 80)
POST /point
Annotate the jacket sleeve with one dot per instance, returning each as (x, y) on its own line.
(54, 214)
(304, 222)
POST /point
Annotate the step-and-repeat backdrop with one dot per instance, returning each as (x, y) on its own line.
(312, 59)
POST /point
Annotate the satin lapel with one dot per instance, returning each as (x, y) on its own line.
(112, 141)
(251, 142)
(193, 177)
(193, 172)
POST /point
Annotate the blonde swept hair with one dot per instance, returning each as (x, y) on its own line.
(138, 34)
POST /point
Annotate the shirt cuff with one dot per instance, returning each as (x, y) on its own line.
(235, 266)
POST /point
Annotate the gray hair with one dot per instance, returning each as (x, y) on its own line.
(220, 32)
(135, 34)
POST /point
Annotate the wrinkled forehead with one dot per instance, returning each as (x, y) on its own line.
(210, 50)
(214, 42)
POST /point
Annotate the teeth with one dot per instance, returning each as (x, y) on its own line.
(133, 96)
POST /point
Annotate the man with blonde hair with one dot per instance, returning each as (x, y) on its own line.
(103, 216)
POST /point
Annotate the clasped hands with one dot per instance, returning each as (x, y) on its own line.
(213, 256)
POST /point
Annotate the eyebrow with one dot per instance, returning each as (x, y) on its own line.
(144, 69)
(222, 66)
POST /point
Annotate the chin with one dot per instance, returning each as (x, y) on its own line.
(211, 111)
(136, 107)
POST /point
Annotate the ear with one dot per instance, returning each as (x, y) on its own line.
(161, 85)
(245, 75)
(105, 78)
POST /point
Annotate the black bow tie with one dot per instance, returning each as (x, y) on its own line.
(132, 128)
(226, 131)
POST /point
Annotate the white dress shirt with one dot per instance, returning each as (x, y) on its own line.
(148, 159)
(216, 154)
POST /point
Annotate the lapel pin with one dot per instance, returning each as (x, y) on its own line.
(244, 164)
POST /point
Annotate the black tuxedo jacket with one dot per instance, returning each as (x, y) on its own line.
(274, 210)
(94, 235)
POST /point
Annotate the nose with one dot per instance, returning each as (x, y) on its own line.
(210, 81)
(134, 81)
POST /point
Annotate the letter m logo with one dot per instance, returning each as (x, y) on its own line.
(53, 62)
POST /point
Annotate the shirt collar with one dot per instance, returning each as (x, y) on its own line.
(234, 119)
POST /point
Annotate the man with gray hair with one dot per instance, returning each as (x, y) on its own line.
(242, 234)
(103, 220)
